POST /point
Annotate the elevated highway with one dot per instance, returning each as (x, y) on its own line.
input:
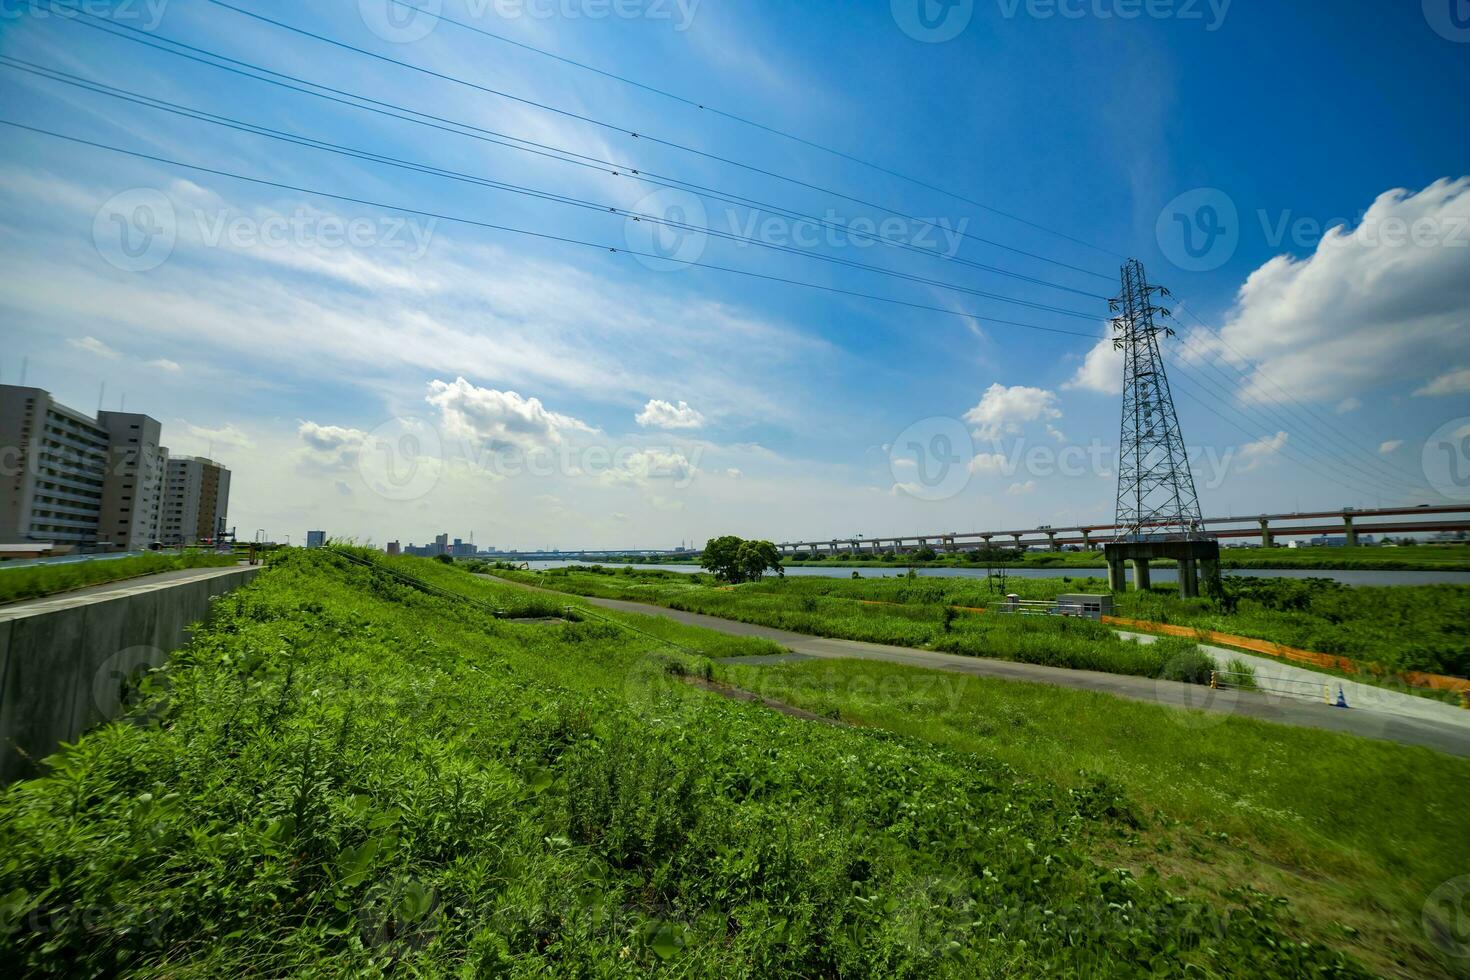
(1265, 528)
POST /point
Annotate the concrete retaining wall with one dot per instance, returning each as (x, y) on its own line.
(65, 660)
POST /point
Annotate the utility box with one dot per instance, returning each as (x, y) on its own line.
(1088, 606)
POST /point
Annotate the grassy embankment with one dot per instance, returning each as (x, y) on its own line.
(346, 775)
(31, 581)
(1385, 628)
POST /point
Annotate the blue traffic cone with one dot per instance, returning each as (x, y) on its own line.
(1341, 698)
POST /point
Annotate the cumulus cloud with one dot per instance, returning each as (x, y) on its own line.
(1021, 489)
(93, 346)
(1390, 446)
(1100, 371)
(646, 465)
(1383, 302)
(1451, 383)
(1255, 454)
(331, 445)
(499, 419)
(1003, 409)
(659, 414)
(1348, 405)
(164, 364)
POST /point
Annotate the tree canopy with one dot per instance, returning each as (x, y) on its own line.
(736, 560)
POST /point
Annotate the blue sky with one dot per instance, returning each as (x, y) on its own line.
(673, 401)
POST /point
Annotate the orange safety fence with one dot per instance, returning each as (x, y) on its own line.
(1438, 682)
(1414, 678)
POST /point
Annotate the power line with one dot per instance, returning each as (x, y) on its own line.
(1347, 440)
(553, 152)
(371, 156)
(1303, 456)
(546, 236)
(735, 117)
(612, 127)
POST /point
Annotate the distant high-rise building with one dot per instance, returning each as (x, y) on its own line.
(441, 544)
(137, 470)
(394, 549)
(99, 484)
(196, 501)
(316, 539)
(55, 465)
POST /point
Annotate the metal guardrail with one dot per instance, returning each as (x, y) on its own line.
(1280, 686)
(1039, 607)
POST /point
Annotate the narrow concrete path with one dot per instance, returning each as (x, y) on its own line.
(140, 583)
(1369, 723)
(1290, 681)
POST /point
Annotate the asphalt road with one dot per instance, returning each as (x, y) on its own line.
(1453, 739)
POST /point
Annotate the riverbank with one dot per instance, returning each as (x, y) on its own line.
(1385, 629)
(1422, 557)
(1414, 558)
(351, 773)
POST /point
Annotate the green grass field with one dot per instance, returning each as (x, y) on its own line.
(1395, 627)
(344, 774)
(32, 581)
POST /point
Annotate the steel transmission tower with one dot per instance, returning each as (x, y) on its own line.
(1156, 495)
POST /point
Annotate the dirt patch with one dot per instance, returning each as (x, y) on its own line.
(748, 697)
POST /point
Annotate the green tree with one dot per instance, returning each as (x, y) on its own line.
(925, 553)
(721, 557)
(736, 560)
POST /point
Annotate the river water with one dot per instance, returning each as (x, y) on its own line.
(1346, 576)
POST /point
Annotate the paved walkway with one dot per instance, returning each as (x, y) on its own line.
(1369, 721)
(1288, 680)
(127, 586)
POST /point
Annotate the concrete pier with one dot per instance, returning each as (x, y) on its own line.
(1190, 554)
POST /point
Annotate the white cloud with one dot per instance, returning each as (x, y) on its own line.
(164, 364)
(1003, 409)
(1254, 454)
(1021, 489)
(93, 346)
(733, 473)
(1101, 370)
(1348, 405)
(331, 445)
(1451, 383)
(1390, 446)
(659, 414)
(499, 419)
(1384, 302)
(224, 435)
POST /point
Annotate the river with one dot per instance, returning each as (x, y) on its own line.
(1353, 576)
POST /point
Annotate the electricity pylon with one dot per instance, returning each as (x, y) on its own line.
(1156, 495)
